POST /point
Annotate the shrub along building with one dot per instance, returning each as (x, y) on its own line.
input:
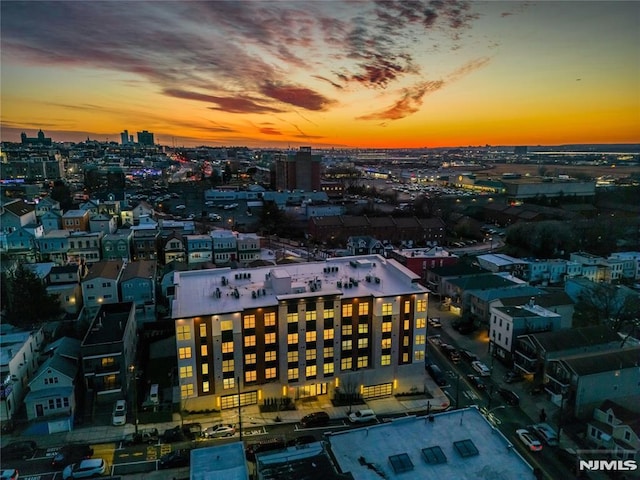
(352, 325)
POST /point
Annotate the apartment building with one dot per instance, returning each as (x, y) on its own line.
(349, 325)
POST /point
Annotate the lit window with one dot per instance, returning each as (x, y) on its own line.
(328, 334)
(405, 341)
(186, 372)
(205, 386)
(363, 342)
(249, 321)
(347, 310)
(421, 305)
(385, 360)
(420, 339)
(347, 329)
(386, 343)
(407, 306)
(292, 356)
(292, 318)
(311, 336)
(203, 350)
(363, 362)
(329, 313)
(347, 344)
(311, 371)
(250, 358)
(327, 352)
(292, 338)
(421, 322)
(203, 329)
(270, 356)
(186, 391)
(419, 355)
(346, 363)
(363, 309)
(205, 369)
(228, 365)
(250, 376)
(269, 338)
(387, 309)
(405, 357)
(386, 326)
(184, 352)
(270, 319)
(310, 315)
(363, 328)
(270, 373)
(311, 354)
(292, 374)
(227, 347)
(183, 332)
(226, 325)
(250, 341)
(228, 383)
(328, 368)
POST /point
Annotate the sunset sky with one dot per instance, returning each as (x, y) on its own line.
(323, 73)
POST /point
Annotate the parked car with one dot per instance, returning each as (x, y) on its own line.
(192, 430)
(18, 450)
(174, 434)
(477, 382)
(147, 435)
(71, 453)
(435, 322)
(362, 416)
(481, 368)
(9, 474)
(177, 458)
(509, 397)
(529, 440)
(315, 419)
(89, 468)
(513, 376)
(263, 446)
(468, 356)
(436, 374)
(219, 431)
(546, 433)
(119, 416)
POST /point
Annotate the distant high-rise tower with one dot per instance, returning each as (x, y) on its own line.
(299, 171)
(145, 138)
(124, 137)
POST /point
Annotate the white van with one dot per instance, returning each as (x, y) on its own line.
(154, 395)
(362, 416)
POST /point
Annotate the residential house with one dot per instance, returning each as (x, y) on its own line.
(498, 262)
(51, 221)
(420, 260)
(144, 243)
(64, 282)
(459, 289)
(76, 220)
(616, 429)
(16, 214)
(508, 323)
(54, 245)
(108, 351)
(248, 248)
(100, 285)
(85, 246)
(437, 277)
(631, 264)
(90, 206)
(172, 248)
(138, 285)
(20, 244)
(18, 362)
(46, 205)
(140, 211)
(364, 245)
(582, 382)
(555, 301)
(534, 351)
(225, 247)
(199, 249)
(117, 245)
(480, 301)
(167, 286)
(103, 223)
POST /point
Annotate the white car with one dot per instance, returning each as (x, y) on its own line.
(531, 442)
(435, 322)
(481, 368)
(218, 431)
(119, 416)
(91, 467)
(362, 416)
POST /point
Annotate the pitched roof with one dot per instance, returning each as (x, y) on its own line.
(19, 207)
(543, 299)
(59, 364)
(573, 338)
(604, 361)
(139, 269)
(104, 269)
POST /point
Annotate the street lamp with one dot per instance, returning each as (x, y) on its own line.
(132, 372)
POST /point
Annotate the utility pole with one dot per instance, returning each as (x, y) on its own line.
(239, 410)
(132, 370)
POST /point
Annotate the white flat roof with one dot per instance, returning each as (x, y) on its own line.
(360, 451)
(194, 293)
(214, 463)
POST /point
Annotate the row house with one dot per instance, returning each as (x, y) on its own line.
(459, 290)
(85, 247)
(479, 301)
(248, 248)
(598, 269)
(551, 271)
(498, 262)
(64, 282)
(51, 221)
(20, 244)
(365, 245)
(138, 285)
(76, 220)
(19, 352)
(117, 245)
(54, 245)
(533, 351)
(616, 429)
(108, 351)
(144, 243)
(100, 285)
(582, 382)
(103, 223)
(554, 301)
(508, 323)
(199, 249)
(172, 248)
(46, 205)
(352, 325)
(225, 247)
(420, 260)
(630, 264)
(16, 214)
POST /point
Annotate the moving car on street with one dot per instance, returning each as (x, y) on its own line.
(509, 397)
(219, 431)
(529, 440)
(481, 368)
(477, 382)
